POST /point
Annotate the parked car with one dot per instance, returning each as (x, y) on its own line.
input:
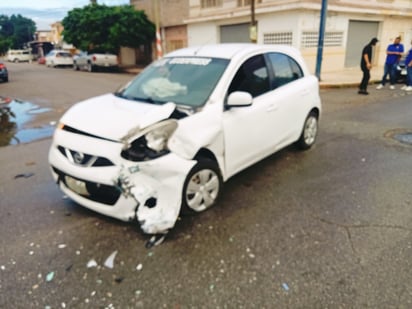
(95, 61)
(19, 55)
(56, 58)
(401, 71)
(41, 60)
(169, 139)
(4, 73)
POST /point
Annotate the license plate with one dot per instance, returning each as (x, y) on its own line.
(76, 185)
(403, 72)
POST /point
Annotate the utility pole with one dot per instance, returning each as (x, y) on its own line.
(159, 52)
(253, 28)
(323, 14)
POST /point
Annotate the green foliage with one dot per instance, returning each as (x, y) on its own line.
(100, 28)
(15, 31)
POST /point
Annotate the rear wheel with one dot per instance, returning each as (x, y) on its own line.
(202, 187)
(309, 132)
(90, 67)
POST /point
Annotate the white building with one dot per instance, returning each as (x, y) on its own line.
(350, 25)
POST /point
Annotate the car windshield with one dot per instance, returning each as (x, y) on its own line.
(182, 80)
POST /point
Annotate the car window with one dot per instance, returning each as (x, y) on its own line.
(183, 80)
(285, 69)
(251, 77)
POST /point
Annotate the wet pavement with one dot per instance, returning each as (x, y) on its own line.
(15, 122)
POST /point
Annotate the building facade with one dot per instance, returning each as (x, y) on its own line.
(350, 24)
(171, 16)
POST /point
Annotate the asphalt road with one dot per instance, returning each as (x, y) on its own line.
(326, 228)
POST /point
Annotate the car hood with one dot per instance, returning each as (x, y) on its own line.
(111, 117)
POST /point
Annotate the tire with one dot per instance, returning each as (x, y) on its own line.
(75, 67)
(202, 187)
(309, 132)
(16, 60)
(90, 67)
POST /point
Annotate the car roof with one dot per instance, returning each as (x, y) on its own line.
(230, 50)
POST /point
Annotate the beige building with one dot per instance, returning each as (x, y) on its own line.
(171, 16)
(350, 24)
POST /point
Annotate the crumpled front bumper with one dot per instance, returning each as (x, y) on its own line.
(149, 191)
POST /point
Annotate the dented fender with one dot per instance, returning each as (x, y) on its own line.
(157, 188)
(186, 141)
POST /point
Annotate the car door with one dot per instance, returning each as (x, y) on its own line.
(248, 130)
(292, 93)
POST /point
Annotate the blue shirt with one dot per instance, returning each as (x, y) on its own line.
(408, 57)
(392, 59)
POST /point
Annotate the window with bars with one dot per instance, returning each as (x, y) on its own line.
(210, 3)
(246, 2)
(278, 38)
(331, 38)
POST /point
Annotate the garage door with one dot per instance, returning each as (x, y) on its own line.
(235, 33)
(359, 34)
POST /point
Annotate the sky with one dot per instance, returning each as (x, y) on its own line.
(46, 12)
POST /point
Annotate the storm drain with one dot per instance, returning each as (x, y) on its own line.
(401, 135)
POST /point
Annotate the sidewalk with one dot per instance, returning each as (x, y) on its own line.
(350, 77)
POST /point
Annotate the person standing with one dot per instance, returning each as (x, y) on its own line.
(393, 54)
(366, 66)
(408, 65)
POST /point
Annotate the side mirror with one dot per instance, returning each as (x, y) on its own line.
(239, 99)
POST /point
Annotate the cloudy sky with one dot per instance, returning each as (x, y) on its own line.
(46, 12)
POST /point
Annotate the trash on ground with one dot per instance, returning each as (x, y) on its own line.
(109, 263)
(91, 263)
(285, 286)
(23, 175)
(50, 276)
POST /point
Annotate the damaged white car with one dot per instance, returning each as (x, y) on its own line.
(169, 139)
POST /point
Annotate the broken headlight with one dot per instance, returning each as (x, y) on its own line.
(150, 143)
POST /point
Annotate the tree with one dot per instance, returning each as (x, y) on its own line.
(15, 32)
(100, 28)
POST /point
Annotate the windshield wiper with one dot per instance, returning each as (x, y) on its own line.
(146, 99)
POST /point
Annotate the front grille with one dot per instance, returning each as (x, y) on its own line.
(97, 192)
(84, 159)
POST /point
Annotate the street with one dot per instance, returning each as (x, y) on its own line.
(326, 228)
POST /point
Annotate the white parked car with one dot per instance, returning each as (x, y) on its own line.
(169, 139)
(56, 58)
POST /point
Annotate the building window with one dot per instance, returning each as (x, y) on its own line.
(332, 38)
(210, 3)
(278, 38)
(246, 2)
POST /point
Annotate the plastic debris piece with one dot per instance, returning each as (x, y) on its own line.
(50, 276)
(139, 267)
(155, 240)
(23, 175)
(62, 246)
(109, 263)
(91, 263)
(285, 286)
(2, 267)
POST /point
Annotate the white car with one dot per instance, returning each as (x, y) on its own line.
(56, 58)
(168, 140)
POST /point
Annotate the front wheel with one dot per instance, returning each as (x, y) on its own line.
(309, 132)
(202, 187)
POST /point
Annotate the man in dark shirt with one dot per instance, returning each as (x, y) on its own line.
(366, 65)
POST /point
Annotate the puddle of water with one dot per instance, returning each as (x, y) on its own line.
(14, 115)
(405, 138)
